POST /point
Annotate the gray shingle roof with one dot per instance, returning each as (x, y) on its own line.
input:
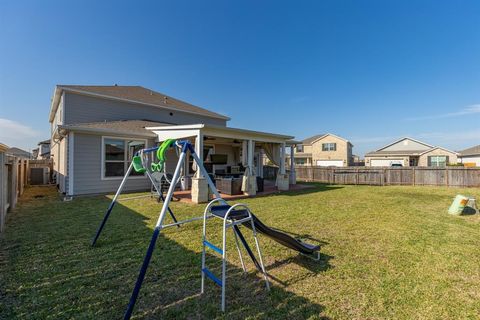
(471, 151)
(397, 153)
(18, 152)
(144, 95)
(124, 126)
(312, 138)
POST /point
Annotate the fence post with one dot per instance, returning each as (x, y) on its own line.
(446, 176)
(413, 173)
(356, 176)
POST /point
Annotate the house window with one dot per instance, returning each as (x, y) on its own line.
(118, 154)
(299, 147)
(329, 146)
(437, 161)
(300, 162)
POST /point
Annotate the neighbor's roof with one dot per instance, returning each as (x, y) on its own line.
(44, 142)
(3, 147)
(134, 94)
(125, 127)
(435, 148)
(473, 151)
(19, 152)
(312, 138)
(405, 152)
(405, 138)
(395, 153)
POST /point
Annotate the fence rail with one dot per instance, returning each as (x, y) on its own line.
(380, 176)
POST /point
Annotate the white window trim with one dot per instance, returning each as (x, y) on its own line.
(437, 162)
(102, 162)
(329, 145)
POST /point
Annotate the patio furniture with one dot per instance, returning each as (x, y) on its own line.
(260, 187)
(230, 186)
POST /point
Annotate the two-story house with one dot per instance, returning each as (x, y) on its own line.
(325, 150)
(96, 130)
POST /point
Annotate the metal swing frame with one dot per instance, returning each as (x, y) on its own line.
(120, 189)
(227, 223)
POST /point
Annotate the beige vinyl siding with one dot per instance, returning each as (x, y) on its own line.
(87, 168)
(83, 109)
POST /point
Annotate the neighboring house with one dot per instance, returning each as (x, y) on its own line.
(470, 157)
(325, 150)
(408, 152)
(43, 150)
(357, 161)
(97, 129)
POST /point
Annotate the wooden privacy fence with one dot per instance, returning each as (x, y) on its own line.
(379, 176)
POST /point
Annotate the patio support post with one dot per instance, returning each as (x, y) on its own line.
(251, 183)
(293, 175)
(199, 190)
(282, 178)
(282, 158)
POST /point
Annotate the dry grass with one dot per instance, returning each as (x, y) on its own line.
(387, 253)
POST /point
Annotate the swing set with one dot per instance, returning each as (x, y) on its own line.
(233, 216)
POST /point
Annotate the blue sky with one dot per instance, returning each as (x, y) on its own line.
(370, 71)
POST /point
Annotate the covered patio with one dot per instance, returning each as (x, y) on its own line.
(233, 158)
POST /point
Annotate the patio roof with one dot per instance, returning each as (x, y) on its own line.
(192, 130)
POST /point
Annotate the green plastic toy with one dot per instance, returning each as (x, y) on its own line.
(161, 155)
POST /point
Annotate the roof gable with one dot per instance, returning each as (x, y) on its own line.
(315, 138)
(436, 148)
(406, 144)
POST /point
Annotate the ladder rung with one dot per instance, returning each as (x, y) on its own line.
(213, 247)
(212, 276)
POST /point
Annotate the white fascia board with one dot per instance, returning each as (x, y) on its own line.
(226, 132)
(176, 134)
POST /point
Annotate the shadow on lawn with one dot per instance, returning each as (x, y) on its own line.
(52, 272)
(314, 187)
(172, 284)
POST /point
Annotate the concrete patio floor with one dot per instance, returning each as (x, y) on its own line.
(268, 189)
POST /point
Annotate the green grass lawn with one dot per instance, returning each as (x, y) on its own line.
(387, 253)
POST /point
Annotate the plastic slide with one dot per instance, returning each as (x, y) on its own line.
(279, 236)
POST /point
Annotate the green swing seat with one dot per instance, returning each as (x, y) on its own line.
(138, 165)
